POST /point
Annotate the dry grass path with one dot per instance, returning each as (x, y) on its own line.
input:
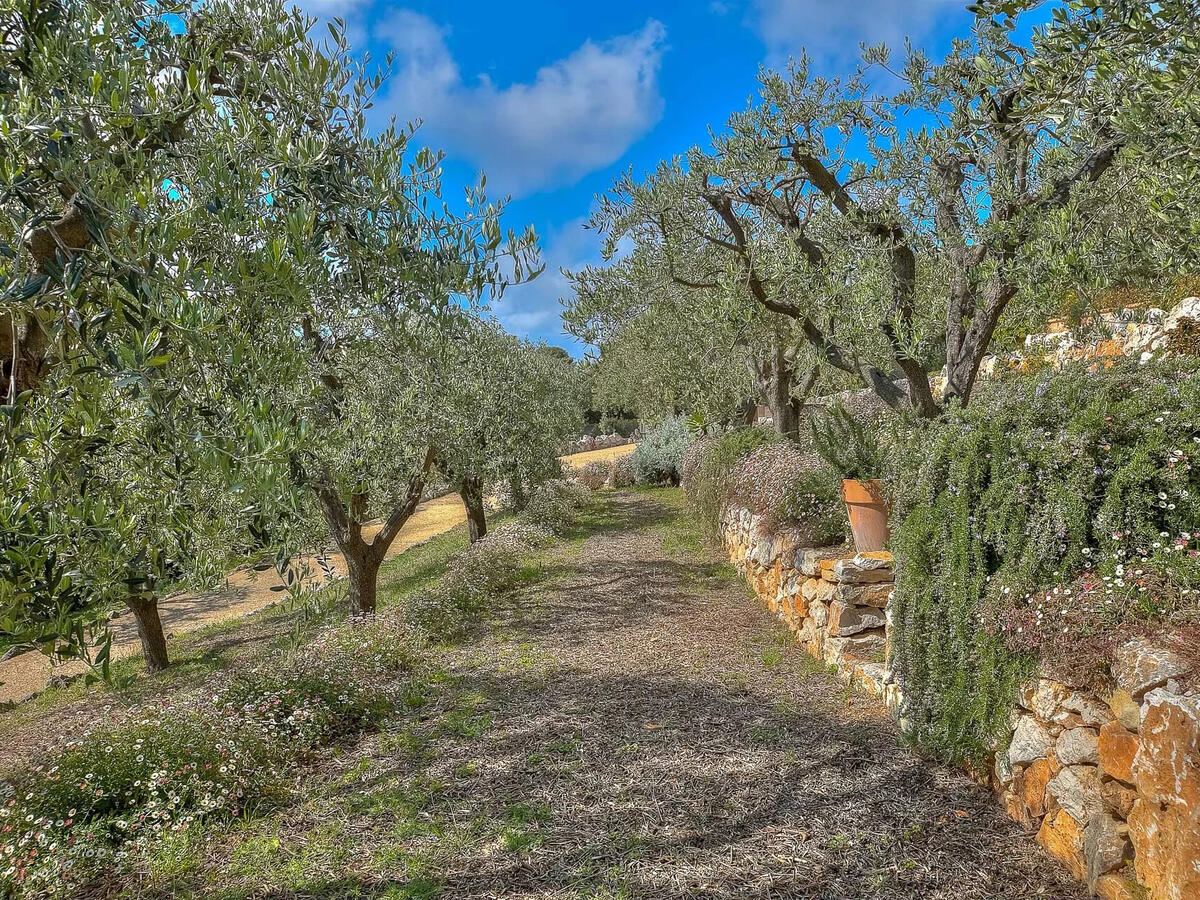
(631, 726)
(246, 590)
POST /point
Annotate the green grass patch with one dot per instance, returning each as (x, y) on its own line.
(522, 826)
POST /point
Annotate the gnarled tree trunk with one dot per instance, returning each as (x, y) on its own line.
(785, 408)
(23, 363)
(471, 491)
(362, 571)
(150, 631)
(363, 557)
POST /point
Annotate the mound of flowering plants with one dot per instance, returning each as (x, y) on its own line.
(451, 609)
(117, 790)
(1052, 519)
(594, 475)
(552, 505)
(785, 485)
(622, 472)
(706, 467)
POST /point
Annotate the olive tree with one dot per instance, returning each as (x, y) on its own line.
(681, 332)
(894, 244)
(170, 177)
(395, 275)
(506, 408)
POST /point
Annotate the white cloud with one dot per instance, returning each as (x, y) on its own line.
(534, 308)
(331, 8)
(832, 32)
(578, 114)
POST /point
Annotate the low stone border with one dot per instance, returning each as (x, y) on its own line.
(1110, 784)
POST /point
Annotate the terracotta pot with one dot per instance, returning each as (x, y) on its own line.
(868, 509)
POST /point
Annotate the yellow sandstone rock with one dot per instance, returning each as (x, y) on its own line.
(1117, 750)
(1062, 838)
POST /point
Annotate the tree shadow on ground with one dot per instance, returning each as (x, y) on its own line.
(659, 786)
(646, 747)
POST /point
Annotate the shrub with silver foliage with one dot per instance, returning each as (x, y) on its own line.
(658, 458)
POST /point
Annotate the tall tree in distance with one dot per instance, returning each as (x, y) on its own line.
(507, 407)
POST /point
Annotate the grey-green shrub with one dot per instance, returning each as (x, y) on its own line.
(658, 458)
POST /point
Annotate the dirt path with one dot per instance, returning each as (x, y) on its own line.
(635, 726)
(246, 590)
(604, 454)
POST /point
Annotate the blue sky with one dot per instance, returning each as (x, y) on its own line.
(553, 99)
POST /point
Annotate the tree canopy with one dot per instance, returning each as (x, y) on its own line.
(892, 231)
(222, 292)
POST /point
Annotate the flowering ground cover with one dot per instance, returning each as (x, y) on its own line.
(239, 743)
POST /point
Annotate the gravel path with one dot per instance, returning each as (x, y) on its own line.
(661, 737)
(630, 724)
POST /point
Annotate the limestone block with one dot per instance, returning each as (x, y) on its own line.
(1076, 789)
(1056, 703)
(818, 614)
(876, 595)
(1062, 837)
(855, 648)
(1118, 798)
(808, 561)
(1138, 667)
(1127, 710)
(1002, 771)
(1078, 745)
(845, 620)
(1106, 846)
(866, 568)
(1030, 787)
(1117, 887)
(875, 559)
(870, 677)
(816, 589)
(1031, 741)
(1166, 768)
(1166, 844)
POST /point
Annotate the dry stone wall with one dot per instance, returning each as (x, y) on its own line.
(1110, 785)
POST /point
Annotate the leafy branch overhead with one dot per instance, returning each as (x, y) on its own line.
(220, 294)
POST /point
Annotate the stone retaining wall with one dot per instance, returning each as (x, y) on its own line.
(1111, 785)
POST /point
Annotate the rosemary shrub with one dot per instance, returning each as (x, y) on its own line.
(1046, 523)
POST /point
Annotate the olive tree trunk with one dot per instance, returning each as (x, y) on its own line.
(471, 491)
(785, 408)
(150, 632)
(519, 496)
(364, 557)
(362, 571)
